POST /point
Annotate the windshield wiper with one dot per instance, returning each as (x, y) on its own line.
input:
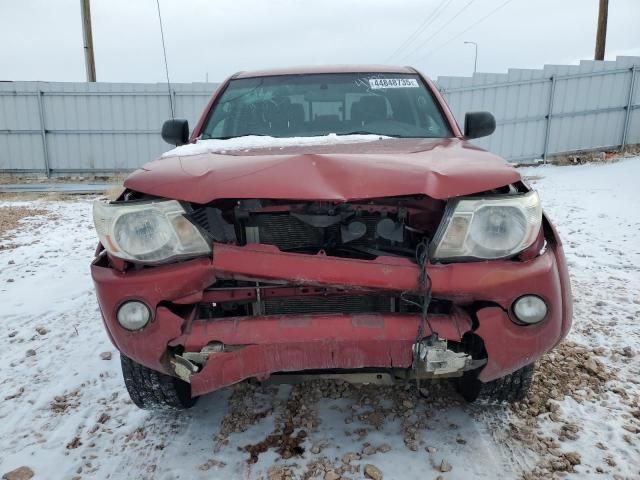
(364, 132)
(203, 137)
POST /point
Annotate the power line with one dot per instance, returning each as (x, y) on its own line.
(421, 28)
(440, 29)
(166, 66)
(469, 28)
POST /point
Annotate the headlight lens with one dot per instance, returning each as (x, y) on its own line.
(488, 227)
(143, 232)
(133, 315)
(530, 309)
(148, 232)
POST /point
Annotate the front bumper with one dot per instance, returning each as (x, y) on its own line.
(482, 294)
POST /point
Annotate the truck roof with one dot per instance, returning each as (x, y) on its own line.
(325, 69)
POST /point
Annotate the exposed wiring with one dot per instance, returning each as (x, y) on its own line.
(166, 66)
(424, 284)
(424, 291)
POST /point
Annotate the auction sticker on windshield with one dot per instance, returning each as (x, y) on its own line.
(393, 83)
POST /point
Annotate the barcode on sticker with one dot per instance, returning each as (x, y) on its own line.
(393, 83)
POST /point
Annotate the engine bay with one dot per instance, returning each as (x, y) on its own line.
(390, 226)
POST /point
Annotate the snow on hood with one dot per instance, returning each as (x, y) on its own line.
(258, 141)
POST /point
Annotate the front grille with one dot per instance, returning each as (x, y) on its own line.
(335, 304)
(350, 304)
(287, 232)
(199, 217)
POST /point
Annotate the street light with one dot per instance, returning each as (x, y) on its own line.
(475, 62)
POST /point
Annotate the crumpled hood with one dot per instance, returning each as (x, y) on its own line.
(438, 168)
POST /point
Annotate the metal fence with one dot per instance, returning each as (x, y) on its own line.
(89, 128)
(557, 109)
(104, 128)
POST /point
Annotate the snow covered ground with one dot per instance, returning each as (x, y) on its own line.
(64, 411)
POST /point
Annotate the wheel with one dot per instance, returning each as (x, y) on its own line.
(153, 390)
(510, 388)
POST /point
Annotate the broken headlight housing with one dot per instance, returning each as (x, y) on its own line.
(148, 232)
(487, 228)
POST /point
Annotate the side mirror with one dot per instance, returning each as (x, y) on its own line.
(175, 132)
(478, 124)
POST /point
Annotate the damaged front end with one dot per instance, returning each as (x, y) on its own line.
(379, 234)
(293, 287)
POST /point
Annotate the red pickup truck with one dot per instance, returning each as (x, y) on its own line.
(329, 221)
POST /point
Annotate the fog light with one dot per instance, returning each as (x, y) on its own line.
(133, 315)
(530, 309)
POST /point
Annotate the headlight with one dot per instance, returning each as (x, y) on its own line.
(529, 309)
(133, 315)
(486, 228)
(147, 232)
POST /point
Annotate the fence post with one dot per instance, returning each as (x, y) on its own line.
(552, 92)
(627, 116)
(43, 133)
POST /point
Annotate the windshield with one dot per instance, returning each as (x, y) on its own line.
(397, 105)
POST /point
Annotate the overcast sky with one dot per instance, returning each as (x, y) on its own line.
(42, 39)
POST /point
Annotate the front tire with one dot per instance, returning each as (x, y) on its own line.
(151, 390)
(510, 388)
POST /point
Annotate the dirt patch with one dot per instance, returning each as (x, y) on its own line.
(579, 158)
(569, 370)
(248, 404)
(373, 405)
(73, 444)
(46, 196)
(21, 473)
(403, 402)
(285, 443)
(298, 412)
(11, 219)
(61, 404)
(35, 179)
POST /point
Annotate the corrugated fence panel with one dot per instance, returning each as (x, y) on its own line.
(93, 128)
(588, 109)
(115, 127)
(634, 115)
(20, 134)
(111, 127)
(518, 100)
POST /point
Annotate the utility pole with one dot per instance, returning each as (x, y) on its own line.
(89, 59)
(601, 36)
(475, 61)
